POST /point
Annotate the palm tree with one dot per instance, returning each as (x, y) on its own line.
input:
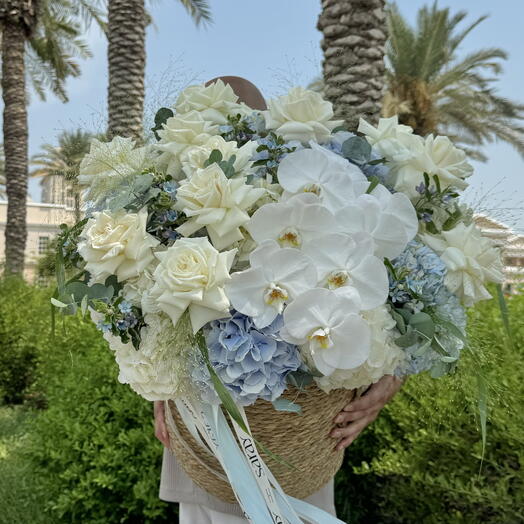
(354, 34)
(3, 194)
(61, 163)
(40, 39)
(127, 20)
(435, 91)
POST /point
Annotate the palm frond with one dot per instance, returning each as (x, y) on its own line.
(199, 11)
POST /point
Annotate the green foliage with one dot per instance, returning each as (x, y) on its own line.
(421, 460)
(20, 339)
(91, 455)
(93, 449)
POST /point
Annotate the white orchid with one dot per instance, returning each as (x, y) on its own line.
(179, 135)
(384, 358)
(275, 278)
(196, 157)
(390, 219)
(191, 275)
(220, 204)
(292, 222)
(301, 115)
(214, 102)
(333, 179)
(346, 262)
(329, 329)
(471, 259)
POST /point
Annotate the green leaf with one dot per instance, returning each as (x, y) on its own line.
(225, 397)
(339, 128)
(78, 290)
(160, 119)
(454, 330)
(357, 149)
(214, 158)
(483, 412)
(299, 379)
(407, 340)
(58, 303)
(505, 316)
(283, 404)
(373, 183)
(423, 323)
(399, 319)
(377, 161)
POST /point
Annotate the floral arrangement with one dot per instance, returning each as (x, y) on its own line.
(246, 252)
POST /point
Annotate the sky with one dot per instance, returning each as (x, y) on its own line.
(275, 44)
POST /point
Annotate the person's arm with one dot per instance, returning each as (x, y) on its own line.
(160, 423)
(364, 410)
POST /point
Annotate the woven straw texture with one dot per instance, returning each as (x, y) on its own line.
(301, 440)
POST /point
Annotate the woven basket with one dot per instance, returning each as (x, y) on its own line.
(301, 440)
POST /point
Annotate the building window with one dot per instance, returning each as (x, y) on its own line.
(43, 245)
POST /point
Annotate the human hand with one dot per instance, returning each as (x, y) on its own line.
(160, 423)
(363, 411)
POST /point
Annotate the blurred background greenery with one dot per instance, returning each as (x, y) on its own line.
(76, 446)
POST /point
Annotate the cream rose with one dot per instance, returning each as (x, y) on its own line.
(301, 115)
(180, 134)
(434, 156)
(220, 204)
(471, 260)
(109, 163)
(191, 275)
(214, 102)
(197, 156)
(117, 244)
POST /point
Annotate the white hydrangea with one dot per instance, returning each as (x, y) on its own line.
(383, 359)
(158, 369)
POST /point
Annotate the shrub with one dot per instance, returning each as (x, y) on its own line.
(421, 460)
(24, 316)
(93, 449)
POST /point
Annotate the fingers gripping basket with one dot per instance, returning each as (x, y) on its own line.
(302, 440)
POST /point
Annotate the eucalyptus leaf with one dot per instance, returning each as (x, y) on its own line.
(454, 330)
(300, 379)
(424, 323)
(407, 340)
(357, 149)
(58, 303)
(78, 290)
(399, 319)
(160, 119)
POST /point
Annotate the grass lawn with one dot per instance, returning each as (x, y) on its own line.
(21, 503)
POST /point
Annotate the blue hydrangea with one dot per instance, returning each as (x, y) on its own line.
(105, 327)
(253, 363)
(420, 275)
(125, 307)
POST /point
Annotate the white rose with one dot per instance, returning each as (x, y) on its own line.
(384, 356)
(214, 102)
(386, 137)
(301, 115)
(197, 156)
(179, 135)
(158, 369)
(191, 275)
(220, 204)
(117, 244)
(434, 156)
(108, 164)
(471, 260)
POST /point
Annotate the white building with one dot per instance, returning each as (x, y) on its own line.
(43, 223)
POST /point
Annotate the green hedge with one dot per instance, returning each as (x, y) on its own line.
(93, 457)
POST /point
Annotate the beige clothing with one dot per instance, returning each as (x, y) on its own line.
(176, 486)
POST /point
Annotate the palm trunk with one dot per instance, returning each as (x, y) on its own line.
(127, 57)
(354, 47)
(15, 144)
